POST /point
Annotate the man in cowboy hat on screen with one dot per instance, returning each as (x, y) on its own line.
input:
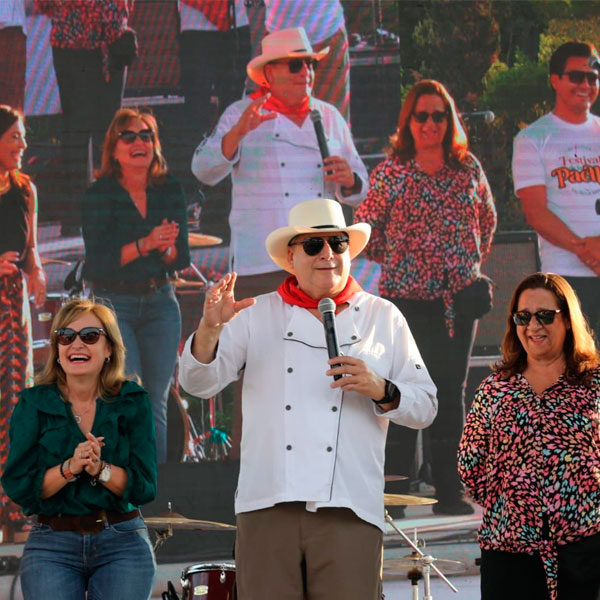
(309, 503)
(269, 146)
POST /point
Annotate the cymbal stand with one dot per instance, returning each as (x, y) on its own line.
(162, 535)
(427, 560)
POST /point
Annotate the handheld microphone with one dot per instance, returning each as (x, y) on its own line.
(315, 117)
(327, 310)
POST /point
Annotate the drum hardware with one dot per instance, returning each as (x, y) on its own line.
(424, 563)
(54, 261)
(395, 478)
(405, 500)
(200, 240)
(170, 594)
(164, 524)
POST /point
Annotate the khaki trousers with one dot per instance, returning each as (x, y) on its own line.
(287, 553)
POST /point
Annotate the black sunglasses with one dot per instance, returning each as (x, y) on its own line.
(128, 137)
(295, 64)
(422, 116)
(577, 77)
(88, 335)
(313, 245)
(544, 316)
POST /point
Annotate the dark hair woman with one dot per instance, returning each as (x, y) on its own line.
(83, 458)
(135, 234)
(432, 216)
(530, 452)
(21, 273)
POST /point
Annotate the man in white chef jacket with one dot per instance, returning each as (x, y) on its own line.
(309, 503)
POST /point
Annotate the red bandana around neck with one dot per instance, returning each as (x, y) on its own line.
(292, 294)
(276, 105)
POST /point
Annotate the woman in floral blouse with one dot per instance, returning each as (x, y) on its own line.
(432, 216)
(530, 451)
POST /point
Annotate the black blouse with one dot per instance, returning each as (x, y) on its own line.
(111, 220)
(14, 222)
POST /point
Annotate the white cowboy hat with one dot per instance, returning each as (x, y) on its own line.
(315, 216)
(285, 43)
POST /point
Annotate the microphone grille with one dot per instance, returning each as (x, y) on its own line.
(326, 305)
(315, 115)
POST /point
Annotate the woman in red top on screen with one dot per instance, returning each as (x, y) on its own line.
(432, 217)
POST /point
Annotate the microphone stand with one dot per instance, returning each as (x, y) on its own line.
(427, 560)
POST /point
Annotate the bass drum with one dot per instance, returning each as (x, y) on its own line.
(209, 581)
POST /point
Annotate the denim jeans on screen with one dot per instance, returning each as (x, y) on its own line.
(151, 330)
(116, 563)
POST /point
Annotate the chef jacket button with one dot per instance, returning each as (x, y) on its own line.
(276, 135)
(319, 166)
(334, 409)
(329, 448)
(288, 447)
(286, 194)
(319, 194)
(283, 164)
(354, 337)
(290, 369)
(288, 407)
(290, 333)
(356, 308)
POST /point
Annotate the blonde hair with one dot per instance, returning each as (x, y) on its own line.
(110, 167)
(112, 375)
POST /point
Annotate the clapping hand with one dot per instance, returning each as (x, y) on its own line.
(87, 456)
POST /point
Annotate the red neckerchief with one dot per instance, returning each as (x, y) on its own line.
(276, 105)
(292, 294)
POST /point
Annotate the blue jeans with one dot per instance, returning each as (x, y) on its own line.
(116, 563)
(151, 330)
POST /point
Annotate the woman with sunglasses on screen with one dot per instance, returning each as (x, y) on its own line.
(530, 451)
(83, 458)
(432, 215)
(21, 274)
(135, 234)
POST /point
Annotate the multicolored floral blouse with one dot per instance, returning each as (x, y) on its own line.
(429, 232)
(533, 462)
(85, 24)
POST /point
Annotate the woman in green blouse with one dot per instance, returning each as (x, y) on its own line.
(83, 458)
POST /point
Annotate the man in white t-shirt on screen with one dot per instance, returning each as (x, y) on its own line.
(556, 170)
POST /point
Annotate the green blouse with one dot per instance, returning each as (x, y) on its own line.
(44, 433)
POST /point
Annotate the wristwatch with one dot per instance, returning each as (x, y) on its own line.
(391, 393)
(104, 474)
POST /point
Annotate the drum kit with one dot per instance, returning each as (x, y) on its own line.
(216, 580)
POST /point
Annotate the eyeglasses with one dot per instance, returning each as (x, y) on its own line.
(577, 77)
(422, 116)
(88, 335)
(295, 64)
(313, 245)
(128, 137)
(544, 316)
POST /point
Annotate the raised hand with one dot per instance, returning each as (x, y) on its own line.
(220, 305)
(162, 236)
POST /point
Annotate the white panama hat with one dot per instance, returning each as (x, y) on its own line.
(285, 43)
(315, 216)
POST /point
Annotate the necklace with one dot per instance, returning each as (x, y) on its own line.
(79, 417)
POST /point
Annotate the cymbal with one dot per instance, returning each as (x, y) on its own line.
(395, 477)
(53, 261)
(177, 521)
(198, 240)
(184, 283)
(413, 561)
(404, 500)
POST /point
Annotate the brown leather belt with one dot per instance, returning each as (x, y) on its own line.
(143, 288)
(91, 523)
